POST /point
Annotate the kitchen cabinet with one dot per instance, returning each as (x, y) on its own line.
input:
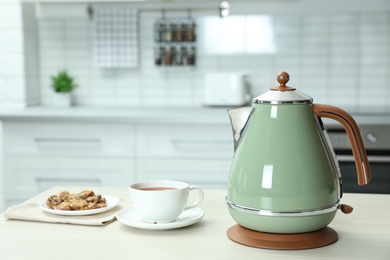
(46, 152)
(204, 173)
(184, 141)
(197, 154)
(38, 155)
(27, 176)
(68, 138)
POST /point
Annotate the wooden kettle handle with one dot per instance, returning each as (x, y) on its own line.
(358, 150)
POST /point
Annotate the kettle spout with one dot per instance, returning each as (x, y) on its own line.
(238, 119)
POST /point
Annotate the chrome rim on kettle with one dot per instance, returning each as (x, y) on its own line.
(283, 213)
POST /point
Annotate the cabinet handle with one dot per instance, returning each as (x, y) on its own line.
(183, 142)
(371, 159)
(61, 181)
(66, 140)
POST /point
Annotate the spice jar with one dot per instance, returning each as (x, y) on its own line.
(158, 31)
(168, 55)
(190, 32)
(190, 55)
(158, 55)
(178, 55)
(168, 33)
(179, 32)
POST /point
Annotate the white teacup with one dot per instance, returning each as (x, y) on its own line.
(162, 201)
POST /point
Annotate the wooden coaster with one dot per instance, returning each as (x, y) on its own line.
(319, 238)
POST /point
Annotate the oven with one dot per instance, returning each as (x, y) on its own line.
(376, 138)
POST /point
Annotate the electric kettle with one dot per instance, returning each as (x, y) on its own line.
(284, 176)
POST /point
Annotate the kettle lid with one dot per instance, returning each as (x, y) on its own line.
(283, 94)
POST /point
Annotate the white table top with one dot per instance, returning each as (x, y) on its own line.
(364, 234)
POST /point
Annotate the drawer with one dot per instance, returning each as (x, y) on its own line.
(26, 177)
(191, 141)
(204, 173)
(68, 138)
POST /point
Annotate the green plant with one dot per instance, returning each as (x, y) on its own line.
(62, 82)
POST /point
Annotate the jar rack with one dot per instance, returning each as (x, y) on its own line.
(174, 42)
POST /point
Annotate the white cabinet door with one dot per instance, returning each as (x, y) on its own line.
(26, 177)
(204, 173)
(190, 141)
(48, 138)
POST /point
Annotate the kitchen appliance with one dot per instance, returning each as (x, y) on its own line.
(376, 137)
(226, 89)
(285, 177)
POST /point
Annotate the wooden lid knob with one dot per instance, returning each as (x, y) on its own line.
(283, 78)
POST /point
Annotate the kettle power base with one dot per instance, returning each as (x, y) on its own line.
(319, 238)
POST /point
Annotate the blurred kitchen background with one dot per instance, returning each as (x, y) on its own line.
(336, 51)
(141, 113)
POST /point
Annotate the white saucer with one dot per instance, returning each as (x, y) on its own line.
(110, 200)
(188, 217)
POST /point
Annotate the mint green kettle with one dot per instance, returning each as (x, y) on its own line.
(284, 176)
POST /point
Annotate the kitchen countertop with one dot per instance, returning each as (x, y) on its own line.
(363, 234)
(188, 115)
(118, 115)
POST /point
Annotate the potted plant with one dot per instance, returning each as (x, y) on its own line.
(63, 85)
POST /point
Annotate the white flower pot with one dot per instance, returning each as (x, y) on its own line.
(62, 99)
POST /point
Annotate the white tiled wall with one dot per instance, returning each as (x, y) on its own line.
(339, 57)
(18, 53)
(31, 55)
(11, 55)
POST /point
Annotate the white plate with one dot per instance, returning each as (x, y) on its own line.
(110, 200)
(188, 217)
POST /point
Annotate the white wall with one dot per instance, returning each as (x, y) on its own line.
(12, 83)
(340, 56)
(31, 55)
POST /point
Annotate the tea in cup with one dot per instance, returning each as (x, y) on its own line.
(162, 201)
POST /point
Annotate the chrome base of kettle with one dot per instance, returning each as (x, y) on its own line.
(283, 213)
